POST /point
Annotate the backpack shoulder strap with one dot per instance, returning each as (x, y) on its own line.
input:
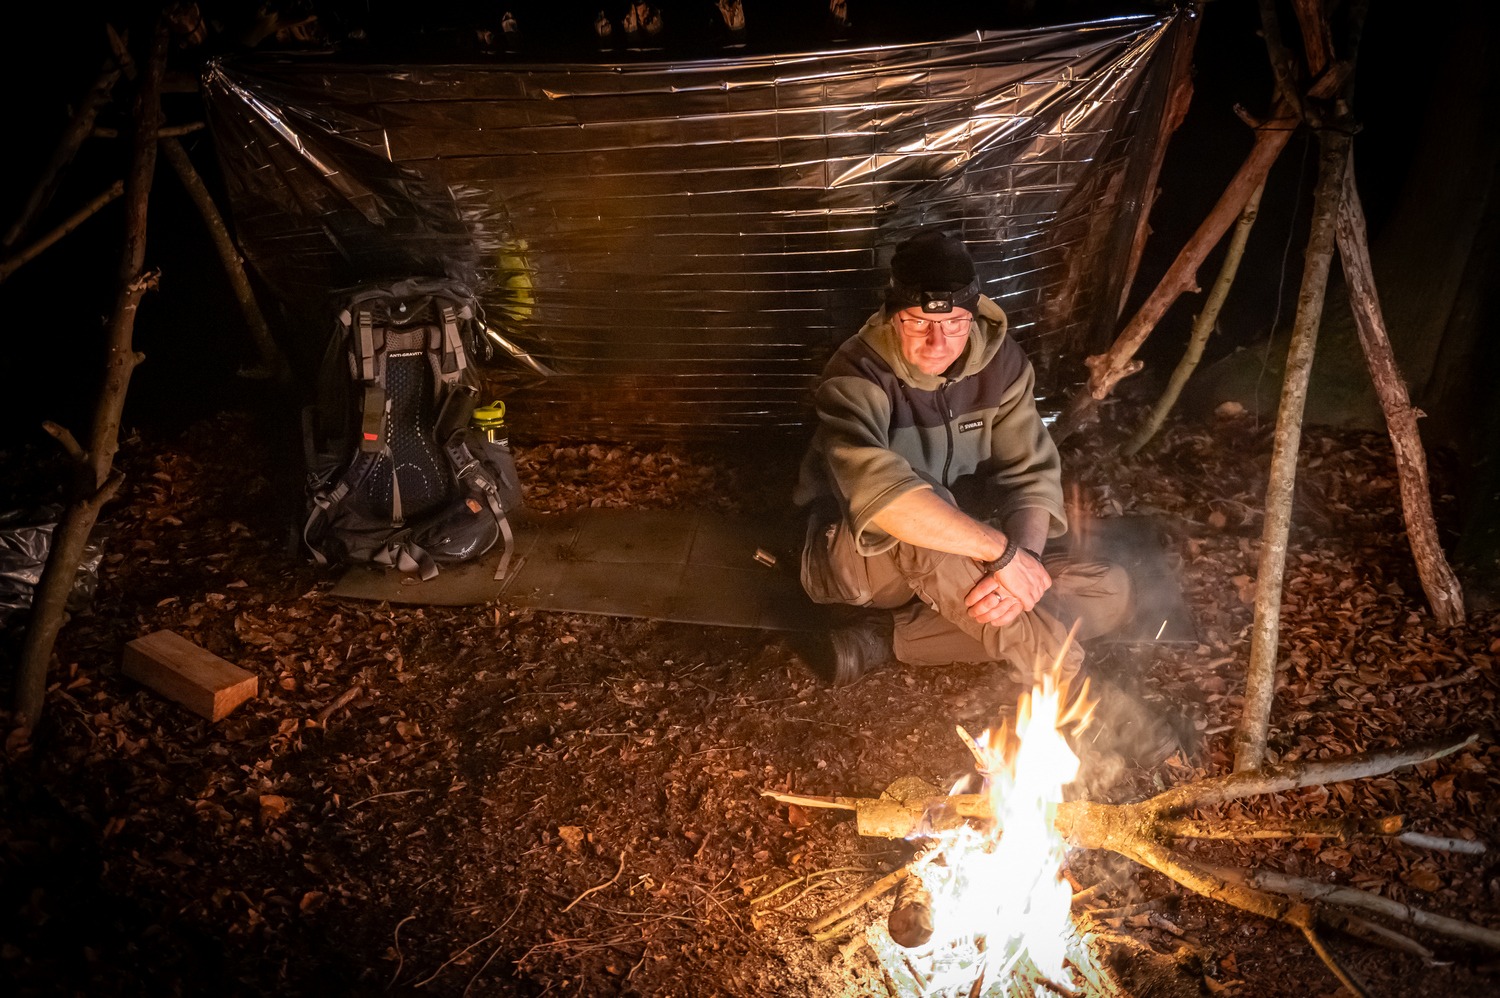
(367, 350)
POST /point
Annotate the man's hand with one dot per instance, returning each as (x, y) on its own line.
(1000, 597)
(925, 519)
(996, 607)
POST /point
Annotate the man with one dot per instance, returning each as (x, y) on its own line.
(932, 488)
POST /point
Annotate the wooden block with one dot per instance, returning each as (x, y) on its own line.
(196, 678)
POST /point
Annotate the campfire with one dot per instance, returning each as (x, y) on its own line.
(983, 908)
(998, 903)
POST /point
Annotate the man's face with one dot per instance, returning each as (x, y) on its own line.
(932, 341)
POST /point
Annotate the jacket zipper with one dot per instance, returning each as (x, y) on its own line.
(948, 428)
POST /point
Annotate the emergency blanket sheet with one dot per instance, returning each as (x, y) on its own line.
(675, 248)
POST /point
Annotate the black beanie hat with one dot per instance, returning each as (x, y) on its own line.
(932, 270)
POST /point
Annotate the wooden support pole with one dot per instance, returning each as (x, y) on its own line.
(1444, 592)
(1107, 369)
(1179, 99)
(1117, 363)
(1203, 326)
(1260, 679)
(272, 359)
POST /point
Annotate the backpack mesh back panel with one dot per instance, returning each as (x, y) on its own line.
(422, 472)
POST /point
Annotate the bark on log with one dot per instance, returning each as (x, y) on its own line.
(78, 520)
(1260, 680)
(1341, 829)
(910, 920)
(1444, 592)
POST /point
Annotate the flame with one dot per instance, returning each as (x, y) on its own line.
(998, 893)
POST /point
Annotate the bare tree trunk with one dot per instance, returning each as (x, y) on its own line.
(1444, 593)
(1260, 679)
(98, 462)
(1203, 326)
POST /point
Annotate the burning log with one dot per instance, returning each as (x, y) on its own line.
(910, 920)
(1143, 832)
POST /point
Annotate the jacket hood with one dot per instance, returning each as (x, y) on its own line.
(986, 334)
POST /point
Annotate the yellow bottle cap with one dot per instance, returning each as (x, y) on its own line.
(492, 414)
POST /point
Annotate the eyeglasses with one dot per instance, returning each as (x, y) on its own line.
(951, 328)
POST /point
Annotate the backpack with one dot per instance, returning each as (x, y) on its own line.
(397, 476)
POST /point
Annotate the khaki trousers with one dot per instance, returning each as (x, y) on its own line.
(925, 589)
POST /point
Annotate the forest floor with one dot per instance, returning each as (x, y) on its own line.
(489, 801)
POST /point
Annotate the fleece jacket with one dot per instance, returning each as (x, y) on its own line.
(885, 428)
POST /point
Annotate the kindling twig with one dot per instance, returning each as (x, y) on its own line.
(344, 699)
(596, 890)
(815, 875)
(874, 891)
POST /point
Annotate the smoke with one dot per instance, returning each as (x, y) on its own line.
(1127, 732)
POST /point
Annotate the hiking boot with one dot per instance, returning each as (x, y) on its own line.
(841, 655)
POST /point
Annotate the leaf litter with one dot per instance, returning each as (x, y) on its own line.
(488, 800)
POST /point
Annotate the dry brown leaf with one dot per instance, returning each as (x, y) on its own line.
(272, 807)
(1335, 856)
(1423, 879)
(571, 835)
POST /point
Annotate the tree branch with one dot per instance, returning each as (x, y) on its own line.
(271, 356)
(1290, 776)
(1203, 326)
(1108, 369)
(67, 147)
(1353, 897)
(13, 263)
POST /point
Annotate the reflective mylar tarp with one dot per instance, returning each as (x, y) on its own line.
(676, 247)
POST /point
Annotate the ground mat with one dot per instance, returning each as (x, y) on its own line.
(703, 568)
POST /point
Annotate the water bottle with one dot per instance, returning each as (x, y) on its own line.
(491, 419)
